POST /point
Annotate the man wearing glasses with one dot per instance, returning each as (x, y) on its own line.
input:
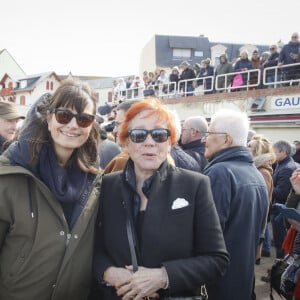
(272, 61)
(192, 132)
(289, 55)
(241, 199)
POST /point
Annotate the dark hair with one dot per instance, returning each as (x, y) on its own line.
(72, 94)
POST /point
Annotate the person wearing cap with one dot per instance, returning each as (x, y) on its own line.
(273, 74)
(9, 118)
(223, 68)
(187, 74)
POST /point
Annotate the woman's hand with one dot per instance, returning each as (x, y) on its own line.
(117, 276)
(144, 283)
(295, 181)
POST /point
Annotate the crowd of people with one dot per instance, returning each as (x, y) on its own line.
(156, 209)
(209, 79)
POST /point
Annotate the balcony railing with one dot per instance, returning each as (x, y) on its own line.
(270, 77)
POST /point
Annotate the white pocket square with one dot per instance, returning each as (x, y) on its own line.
(179, 203)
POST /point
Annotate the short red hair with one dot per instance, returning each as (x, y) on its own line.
(155, 107)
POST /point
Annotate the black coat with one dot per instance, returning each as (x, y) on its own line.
(188, 241)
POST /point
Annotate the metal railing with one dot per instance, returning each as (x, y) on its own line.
(270, 77)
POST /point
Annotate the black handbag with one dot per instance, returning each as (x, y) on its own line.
(131, 240)
(277, 269)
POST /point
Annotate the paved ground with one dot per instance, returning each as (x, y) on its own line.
(262, 289)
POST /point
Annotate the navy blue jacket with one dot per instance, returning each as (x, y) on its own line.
(196, 149)
(184, 160)
(242, 64)
(241, 199)
(281, 180)
(287, 50)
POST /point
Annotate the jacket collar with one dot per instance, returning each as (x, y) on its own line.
(237, 153)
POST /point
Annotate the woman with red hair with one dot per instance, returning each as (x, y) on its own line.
(159, 234)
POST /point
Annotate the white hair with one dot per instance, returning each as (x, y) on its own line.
(232, 122)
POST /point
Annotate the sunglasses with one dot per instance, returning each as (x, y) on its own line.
(159, 135)
(64, 116)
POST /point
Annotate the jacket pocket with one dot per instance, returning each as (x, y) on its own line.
(20, 260)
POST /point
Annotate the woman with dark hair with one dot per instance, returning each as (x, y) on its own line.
(49, 186)
(159, 232)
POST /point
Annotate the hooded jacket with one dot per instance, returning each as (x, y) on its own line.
(40, 258)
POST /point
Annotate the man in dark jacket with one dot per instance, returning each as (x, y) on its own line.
(282, 186)
(241, 199)
(272, 61)
(289, 55)
(192, 132)
(186, 74)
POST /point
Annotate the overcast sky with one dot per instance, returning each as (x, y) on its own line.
(105, 38)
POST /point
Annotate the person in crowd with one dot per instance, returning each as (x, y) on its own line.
(296, 156)
(167, 211)
(264, 157)
(181, 158)
(9, 118)
(129, 81)
(243, 64)
(206, 74)
(241, 199)
(138, 86)
(285, 165)
(121, 88)
(251, 133)
(291, 243)
(289, 55)
(151, 79)
(49, 188)
(119, 161)
(173, 79)
(256, 65)
(145, 77)
(192, 131)
(187, 74)
(223, 68)
(263, 59)
(272, 75)
(108, 149)
(162, 81)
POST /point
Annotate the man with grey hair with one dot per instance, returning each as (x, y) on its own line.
(285, 165)
(192, 131)
(241, 199)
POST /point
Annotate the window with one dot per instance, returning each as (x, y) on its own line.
(47, 85)
(182, 53)
(257, 103)
(198, 53)
(51, 85)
